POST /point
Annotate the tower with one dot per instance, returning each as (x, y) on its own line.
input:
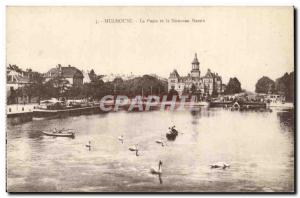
(195, 68)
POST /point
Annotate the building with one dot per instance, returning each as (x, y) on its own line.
(15, 80)
(207, 85)
(159, 77)
(72, 74)
(111, 77)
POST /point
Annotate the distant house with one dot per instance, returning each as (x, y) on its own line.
(72, 74)
(111, 77)
(15, 80)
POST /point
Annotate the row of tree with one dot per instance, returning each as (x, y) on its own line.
(283, 85)
(59, 87)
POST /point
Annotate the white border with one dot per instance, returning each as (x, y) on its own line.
(4, 3)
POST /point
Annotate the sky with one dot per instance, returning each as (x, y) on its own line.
(242, 42)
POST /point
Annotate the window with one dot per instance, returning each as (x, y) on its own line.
(9, 109)
(22, 108)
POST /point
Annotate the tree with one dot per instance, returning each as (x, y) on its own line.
(93, 76)
(265, 85)
(193, 89)
(172, 93)
(285, 85)
(57, 86)
(185, 91)
(233, 86)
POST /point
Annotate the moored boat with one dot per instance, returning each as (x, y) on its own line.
(49, 110)
(202, 103)
(60, 133)
(281, 104)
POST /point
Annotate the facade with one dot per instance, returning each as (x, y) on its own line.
(207, 85)
(72, 74)
(15, 80)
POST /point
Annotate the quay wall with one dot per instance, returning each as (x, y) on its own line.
(18, 109)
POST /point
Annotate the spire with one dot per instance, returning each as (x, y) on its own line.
(195, 61)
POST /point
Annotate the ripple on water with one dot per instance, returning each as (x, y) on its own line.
(248, 141)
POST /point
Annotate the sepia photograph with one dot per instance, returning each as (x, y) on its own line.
(150, 99)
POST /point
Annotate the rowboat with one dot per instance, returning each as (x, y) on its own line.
(171, 135)
(60, 133)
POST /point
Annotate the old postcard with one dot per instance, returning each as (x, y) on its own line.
(150, 99)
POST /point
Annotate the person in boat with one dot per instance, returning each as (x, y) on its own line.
(173, 130)
(54, 130)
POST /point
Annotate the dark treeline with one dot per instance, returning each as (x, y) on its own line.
(145, 85)
(283, 85)
(233, 86)
(59, 87)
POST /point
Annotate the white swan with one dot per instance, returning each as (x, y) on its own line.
(134, 148)
(88, 145)
(160, 142)
(121, 139)
(220, 165)
(157, 171)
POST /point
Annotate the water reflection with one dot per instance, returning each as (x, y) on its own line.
(286, 119)
(248, 141)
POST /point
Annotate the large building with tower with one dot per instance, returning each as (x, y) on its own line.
(208, 85)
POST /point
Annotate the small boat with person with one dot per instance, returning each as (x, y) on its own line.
(172, 134)
(60, 133)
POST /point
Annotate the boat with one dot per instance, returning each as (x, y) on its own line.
(50, 109)
(60, 133)
(280, 104)
(278, 101)
(203, 103)
(171, 136)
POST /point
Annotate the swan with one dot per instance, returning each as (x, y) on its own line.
(121, 139)
(157, 171)
(134, 148)
(220, 165)
(160, 142)
(88, 145)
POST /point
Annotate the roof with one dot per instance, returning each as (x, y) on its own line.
(210, 74)
(67, 72)
(174, 74)
(17, 77)
(195, 61)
